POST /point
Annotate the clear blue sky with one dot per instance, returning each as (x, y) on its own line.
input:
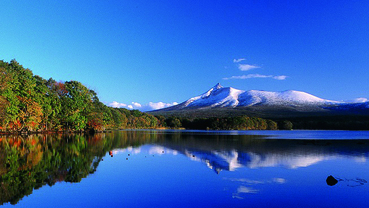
(169, 51)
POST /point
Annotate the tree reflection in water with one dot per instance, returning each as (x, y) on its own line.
(28, 163)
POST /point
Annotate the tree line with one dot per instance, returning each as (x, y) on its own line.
(30, 103)
(226, 123)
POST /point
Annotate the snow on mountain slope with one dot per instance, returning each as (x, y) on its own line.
(219, 96)
(253, 97)
(216, 96)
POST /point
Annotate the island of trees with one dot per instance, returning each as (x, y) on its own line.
(30, 103)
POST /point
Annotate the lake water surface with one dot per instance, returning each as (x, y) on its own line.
(168, 168)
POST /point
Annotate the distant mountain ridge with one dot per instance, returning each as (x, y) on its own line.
(219, 98)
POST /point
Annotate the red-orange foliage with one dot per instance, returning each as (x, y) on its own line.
(60, 89)
(96, 124)
(15, 125)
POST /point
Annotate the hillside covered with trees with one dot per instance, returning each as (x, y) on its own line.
(30, 103)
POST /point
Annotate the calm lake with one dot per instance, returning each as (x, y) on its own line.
(168, 168)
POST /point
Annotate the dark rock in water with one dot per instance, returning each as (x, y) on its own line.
(331, 181)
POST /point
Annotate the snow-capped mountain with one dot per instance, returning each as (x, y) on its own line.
(228, 101)
(219, 96)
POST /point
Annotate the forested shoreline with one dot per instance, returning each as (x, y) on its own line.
(30, 103)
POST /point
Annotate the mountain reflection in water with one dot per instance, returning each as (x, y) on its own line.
(253, 151)
(28, 163)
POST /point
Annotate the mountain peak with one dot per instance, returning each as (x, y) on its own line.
(217, 86)
(208, 93)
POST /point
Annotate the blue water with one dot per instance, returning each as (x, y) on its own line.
(287, 134)
(210, 169)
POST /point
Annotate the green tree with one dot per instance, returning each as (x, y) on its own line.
(285, 125)
(272, 125)
(173, 122)
(76, 105)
